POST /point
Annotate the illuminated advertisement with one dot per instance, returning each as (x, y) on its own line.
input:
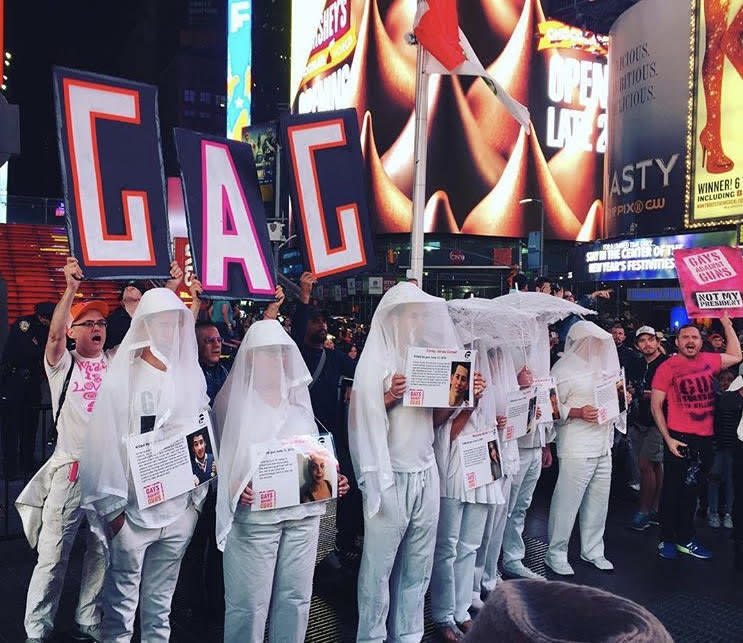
(717, 188)
(353, 53)
(263, 139)
(644, 184)
(239, 53)
(648, 258)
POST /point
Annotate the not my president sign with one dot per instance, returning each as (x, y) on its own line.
(711, 280)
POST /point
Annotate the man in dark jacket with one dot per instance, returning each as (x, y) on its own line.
(22, 375)
(330, 370)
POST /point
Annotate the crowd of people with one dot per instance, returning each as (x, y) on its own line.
(408, 519)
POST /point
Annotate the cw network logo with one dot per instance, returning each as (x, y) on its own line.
(639, 206)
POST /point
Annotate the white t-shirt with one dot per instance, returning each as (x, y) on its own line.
(82, 391)
(410, 438)
(146, 384)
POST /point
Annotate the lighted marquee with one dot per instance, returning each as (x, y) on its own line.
(353, 53)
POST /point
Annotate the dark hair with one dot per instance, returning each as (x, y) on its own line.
(685, 326)
(540, 281)
(204, 324)
(456, 365)
(617, 324)
(555, 286)
(520, 282)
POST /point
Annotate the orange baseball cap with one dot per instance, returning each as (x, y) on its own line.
(79, 309)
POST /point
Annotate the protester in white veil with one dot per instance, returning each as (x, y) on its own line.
(392, 452)
(583, 448)
(269, 556)
(154, 383)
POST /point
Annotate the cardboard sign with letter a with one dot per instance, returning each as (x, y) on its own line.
(227, 229)
(326, 175)
(711, 280)
(112, 170)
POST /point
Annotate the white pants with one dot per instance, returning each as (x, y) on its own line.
(269, 566)
(522, 490)
(144, 570)
(486, 562)
(459, 534)
(582, 488)
(61, 519)
(399, 542)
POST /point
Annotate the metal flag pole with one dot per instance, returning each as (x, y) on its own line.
(419, 184)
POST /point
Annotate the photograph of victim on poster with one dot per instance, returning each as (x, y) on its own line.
(203, 465)
(294, 471)
(496, 468)
(439, 377)
(621, 396)
(531, 418)
(554, 405)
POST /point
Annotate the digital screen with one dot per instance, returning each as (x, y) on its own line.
(353, 53)
(290, 263)
(648, 258)
(263, 139)
(239, 55)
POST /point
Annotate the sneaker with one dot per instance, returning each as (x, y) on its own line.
(88, 633)
(447, 633)
(667, 551)
(654, 518)
(599, 563)
(693, 548)
(517, 569)
(727, 521)
(713, 520)
(561, 568)
(640, 521)
(477, 603)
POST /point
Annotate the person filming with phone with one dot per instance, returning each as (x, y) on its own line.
(687, 383)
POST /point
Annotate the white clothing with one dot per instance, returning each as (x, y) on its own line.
(449, 462)
(265, 398)
(144, 570)
(582, 488)
(82, 391)
(488, 553)
(410, 437)
(459, 534)
(399, 541)
(60, 520)
(147, 382)
(522, 490)
(577, 438)
(269, 566)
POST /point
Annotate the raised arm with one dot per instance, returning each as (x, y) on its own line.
(57, 342)
(732, 355)
(272, 310)
(176, 277)
(196, 289)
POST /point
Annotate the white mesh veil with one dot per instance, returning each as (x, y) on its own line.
(163, 323)
(589, 351)
(265, 398)
(406, 316)
(549, 309)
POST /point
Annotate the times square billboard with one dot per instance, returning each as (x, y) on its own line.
(353, 53)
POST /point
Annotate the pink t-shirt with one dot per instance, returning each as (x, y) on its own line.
(690, 386)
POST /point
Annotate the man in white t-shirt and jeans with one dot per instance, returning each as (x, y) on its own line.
(50, 504)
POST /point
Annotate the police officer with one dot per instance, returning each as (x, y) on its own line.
(22, 376)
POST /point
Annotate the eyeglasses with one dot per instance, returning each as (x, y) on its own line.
(213, 340)
(91, 323)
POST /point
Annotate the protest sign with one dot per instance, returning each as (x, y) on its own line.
(226, 220)
(439, 377)
(166, 465)
(548, 401)
(521, 413)
(112, 170)
(477, 464)
(294, 471)
(711, 280)
(328, 189)
(610, 397)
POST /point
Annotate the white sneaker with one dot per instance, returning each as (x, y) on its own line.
(477, 603)
(599, 563)
(727, 521)
(713, 520)
(562, 568)
(517, 569)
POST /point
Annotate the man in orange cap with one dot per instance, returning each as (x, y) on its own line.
(50, 504)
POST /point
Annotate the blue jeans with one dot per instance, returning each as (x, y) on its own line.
(721, 475)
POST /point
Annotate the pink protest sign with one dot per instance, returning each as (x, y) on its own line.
(711, 280)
